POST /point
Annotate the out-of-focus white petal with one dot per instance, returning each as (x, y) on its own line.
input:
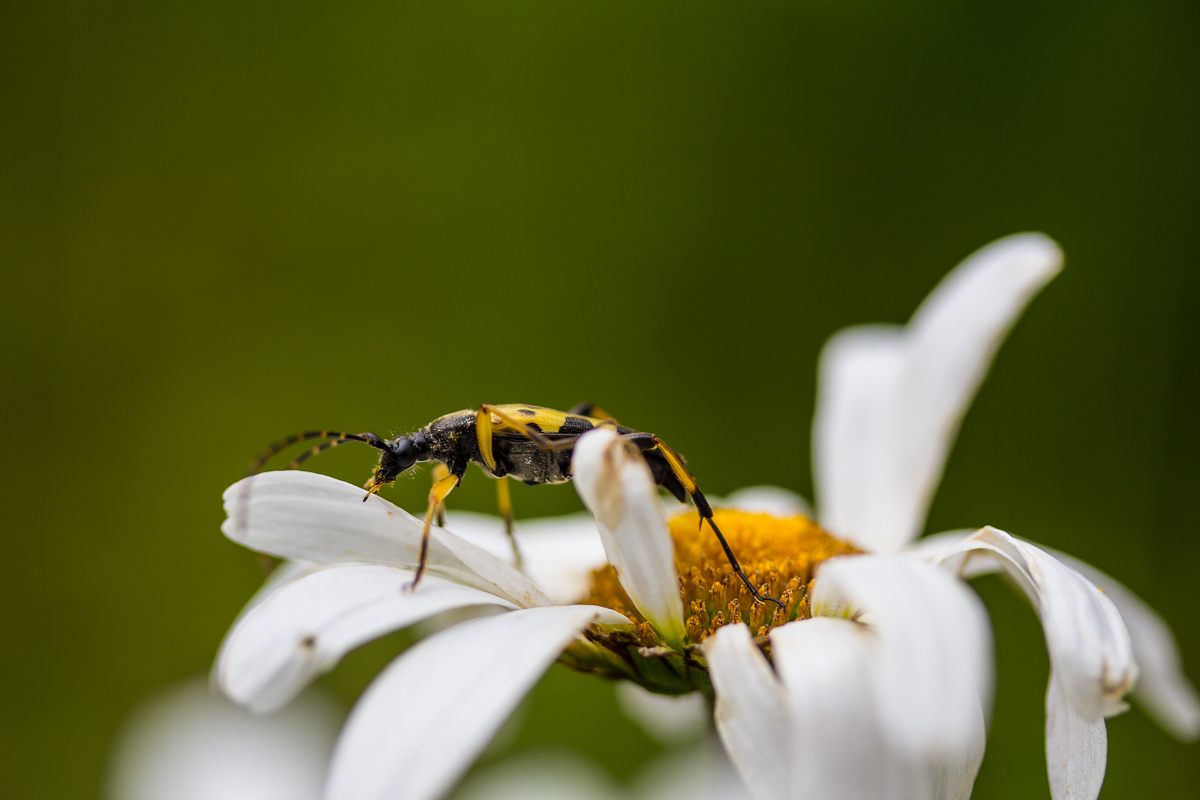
(1162, 688)
(1089, 645)
(191, 744)
(1076, 747)
(772, 500)
(309, 516)
(890, 399)
(667, 718)
(305, 627)
(427, 716)
(617, 487)
(837, 749)
(934, 659)
(954, 777)
(282, 575)
(541, 776)
(751, 714)
(558, 553)
(702, 772)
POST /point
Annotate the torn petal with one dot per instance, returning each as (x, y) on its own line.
(617, 486)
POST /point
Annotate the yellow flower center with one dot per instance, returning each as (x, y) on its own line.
(778, 555)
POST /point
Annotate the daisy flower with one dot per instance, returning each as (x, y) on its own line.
(872, 681)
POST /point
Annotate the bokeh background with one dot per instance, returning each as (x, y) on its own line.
(224, 222)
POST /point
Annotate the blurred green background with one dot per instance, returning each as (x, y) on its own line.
(221, 223)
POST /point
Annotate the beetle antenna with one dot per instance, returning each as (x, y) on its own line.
(338, 437)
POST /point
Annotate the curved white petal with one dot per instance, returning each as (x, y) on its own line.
(890, 399)
(304, 628)
(837, 749)
(557, 553)
(427, 716)
(1089, 645)
(773, 500)
(1162, 688)
(669, 719)
(1076, 747)
(934, 642)
(942, 549)
(617, 487)
(309, 516)
(750, 714)
(188, 743)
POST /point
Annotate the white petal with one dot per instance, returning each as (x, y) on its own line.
(283, 574)
(669, 719)
(942, 549)
(191, 744)
(618, 488)
(1089, 646)
(543, 776)
(427, 716)
(1076, 747)
(1162, 688)
(750, 715)
(838, 750)
(890, 399)
(772, 500)
(954, 777)
(309, 516)
(304, 628)
(696, 773)
(558, 553)
(934, 660)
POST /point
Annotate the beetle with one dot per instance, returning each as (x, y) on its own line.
(529, 443)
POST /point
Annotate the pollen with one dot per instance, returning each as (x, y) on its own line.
(778, 555)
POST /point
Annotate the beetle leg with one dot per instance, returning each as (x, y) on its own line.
(437, 496)
(440, 471)
(504, 501)
(647, 443)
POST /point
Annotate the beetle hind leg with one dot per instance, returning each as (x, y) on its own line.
(504, 502)
(654, 449)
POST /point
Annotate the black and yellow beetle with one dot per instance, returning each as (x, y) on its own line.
(529, 443)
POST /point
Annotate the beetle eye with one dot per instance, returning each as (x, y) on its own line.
(404, 453)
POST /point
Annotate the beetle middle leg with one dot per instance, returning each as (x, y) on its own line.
(440, 471)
